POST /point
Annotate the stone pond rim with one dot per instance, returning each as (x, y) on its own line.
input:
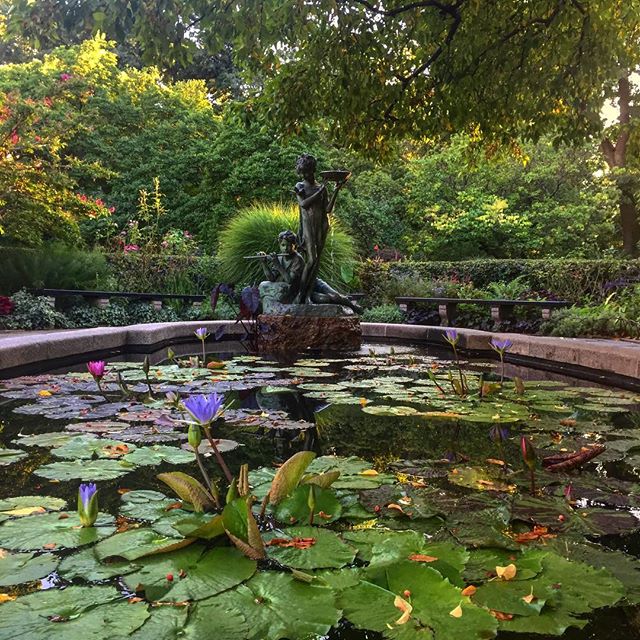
(609, 362)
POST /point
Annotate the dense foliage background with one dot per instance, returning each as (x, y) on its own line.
(85, 137)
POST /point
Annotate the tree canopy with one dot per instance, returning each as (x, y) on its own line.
(375, 70)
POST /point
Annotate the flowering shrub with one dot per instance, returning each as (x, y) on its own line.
(6, 306)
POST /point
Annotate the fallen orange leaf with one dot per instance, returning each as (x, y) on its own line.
(507, 573)
(456, 613)
(405, 607)
(420, 557)
(5, 597)
(500, 615)
(469, 591)
(538, 533)
(369, 472)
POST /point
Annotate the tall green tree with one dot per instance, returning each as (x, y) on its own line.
(375, 70)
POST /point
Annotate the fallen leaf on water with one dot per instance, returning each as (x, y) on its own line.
(5, 597)
(456, 613)
(538, 533)
(215, 364)
(568, 422)
(405, 607)
(397, 507)
(25, 511)
(44, 393)
(324, 516)
(296, 543)
(363, 402)
(500, 615)
(135, 599)
(530, 598)
(369, 472)
(115, 450)
(420, 557)
(122, 491)
(49, 545)
(507, 573)
(469, 591)
(495, 461)
(173, 505)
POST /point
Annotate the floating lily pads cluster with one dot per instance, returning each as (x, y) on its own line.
(448, 542)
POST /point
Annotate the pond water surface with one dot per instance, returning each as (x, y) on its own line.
(432, 496)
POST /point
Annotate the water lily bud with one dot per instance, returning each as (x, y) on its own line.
(194, 436)
(498, 433)
(87, 504)
(528, 452)
(146, 364)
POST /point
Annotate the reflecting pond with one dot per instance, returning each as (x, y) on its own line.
(412, 514)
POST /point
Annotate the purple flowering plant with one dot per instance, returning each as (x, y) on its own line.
(87, 504)
(501, 347)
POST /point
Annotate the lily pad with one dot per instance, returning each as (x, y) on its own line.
(205, 573)
(136, 543)
(158, 454)
(29, 505)
(52, 531)
(9, 456)
(74, 613)
(84, 470)
(85, 564)
(326, 551)
(277, 606)
(88, 447)
(16, 568)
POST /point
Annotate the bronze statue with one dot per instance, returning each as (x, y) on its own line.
(288, 267)
(315, 207)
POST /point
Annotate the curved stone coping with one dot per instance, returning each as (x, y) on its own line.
(604, 356)
(19, 349)
(609, 356)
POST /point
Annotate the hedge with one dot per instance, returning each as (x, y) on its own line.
(576, 280)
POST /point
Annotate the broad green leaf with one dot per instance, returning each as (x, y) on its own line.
(136, 543)
(288, 475)
(188, 489)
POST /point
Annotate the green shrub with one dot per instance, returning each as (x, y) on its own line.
(256, 229)
(143, 312)
(575, 280)
(383, 313)
(55, 266)
(84, 315)
(33, 312)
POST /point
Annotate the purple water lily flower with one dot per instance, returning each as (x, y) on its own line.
(500, 345)
(202, 333)
(87, 504)
(498, 433)
(451, 336)
(204, 409)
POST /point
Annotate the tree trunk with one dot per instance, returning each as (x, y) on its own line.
(629, 222)
(616, 156)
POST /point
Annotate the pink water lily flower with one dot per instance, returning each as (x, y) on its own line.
(96, 369)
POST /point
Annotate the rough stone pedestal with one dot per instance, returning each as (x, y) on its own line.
(295, 333)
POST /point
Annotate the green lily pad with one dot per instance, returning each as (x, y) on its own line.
(9, 456)
(327, 551)
(51, 531)
(206, 573)
(168, 623)
(434, 599)
(29, 505)
(295, 508)
(277, 606)
(85, 564)
(84, 470)
(136, 543)
(16, 568)
(387, 410)
(145, 505)
(50, 439)
(74, 613)
(88, 447)
(158, 454)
